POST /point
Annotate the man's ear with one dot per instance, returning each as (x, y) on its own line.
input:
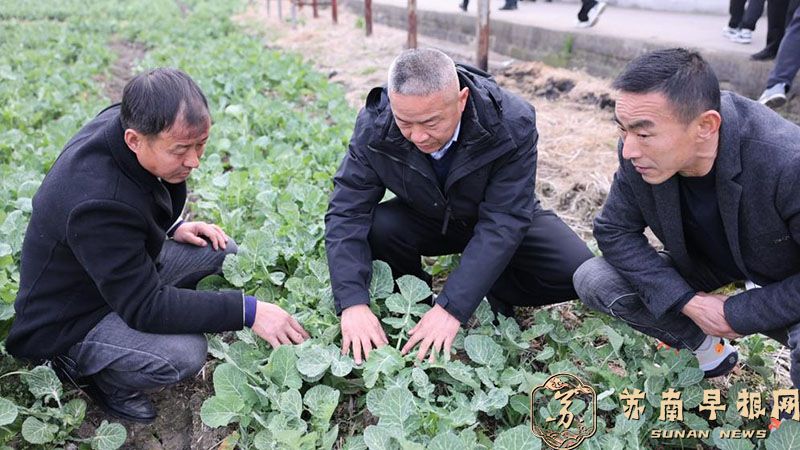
(133, 139)
(708, 125)
(463, 94)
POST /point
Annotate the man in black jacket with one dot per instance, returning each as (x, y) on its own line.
(101, 293)
(459, 153)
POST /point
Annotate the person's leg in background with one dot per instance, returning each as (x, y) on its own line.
(786, 66)
(590, 12)
(776, 28)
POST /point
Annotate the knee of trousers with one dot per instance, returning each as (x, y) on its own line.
(593, 280)
(185, 355)
(385, 231)
(231, 247)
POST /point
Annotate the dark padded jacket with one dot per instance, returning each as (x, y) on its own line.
(98, 224)
(490, 184)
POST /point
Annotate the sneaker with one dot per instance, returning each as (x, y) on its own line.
(595, 12)
(744, 36)
(583, 24)
(774, 96)
(463, 6)
(730, 33)
(716, 356)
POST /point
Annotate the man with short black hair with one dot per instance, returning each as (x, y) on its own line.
(714, 176)
(459, 153)
(102, 295)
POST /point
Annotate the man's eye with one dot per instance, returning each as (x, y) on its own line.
(643, 136)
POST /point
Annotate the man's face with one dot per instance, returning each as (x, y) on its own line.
(657, 143)
(171, 154)
(429, 121)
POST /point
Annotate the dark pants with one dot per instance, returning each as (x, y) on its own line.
(120, 359)
(586, 6)
(745, 18)
(539, 273)
(603, 289)
(779, 14)
(788, 61)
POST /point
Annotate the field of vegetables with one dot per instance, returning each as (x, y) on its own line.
(280, 130)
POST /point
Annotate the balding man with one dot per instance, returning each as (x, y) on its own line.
(459, 154)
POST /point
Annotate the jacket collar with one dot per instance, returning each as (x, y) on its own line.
(729, 192)
(126, 159)
(729, 166)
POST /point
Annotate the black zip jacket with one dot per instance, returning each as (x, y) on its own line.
(490, 184)
(98, 224)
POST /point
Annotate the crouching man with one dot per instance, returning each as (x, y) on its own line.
(715, 177)
(103, 294)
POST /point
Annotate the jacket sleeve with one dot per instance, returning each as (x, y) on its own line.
(774, 306)
(619, 230)
(108, 238)
(504, 217)
(356, 192)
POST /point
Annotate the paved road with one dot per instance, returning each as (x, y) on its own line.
(703, 31)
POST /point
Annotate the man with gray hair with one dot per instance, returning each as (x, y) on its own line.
(459, 154)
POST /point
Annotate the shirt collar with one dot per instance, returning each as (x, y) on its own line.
(437, 155)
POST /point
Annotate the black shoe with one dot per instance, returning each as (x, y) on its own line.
(508, 7)
(134, 406)
(764, 55)
(463, 7)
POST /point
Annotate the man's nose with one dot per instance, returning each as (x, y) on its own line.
(630, 150)
(418, 135)
(192, 160)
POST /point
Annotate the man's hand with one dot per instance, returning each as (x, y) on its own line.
(362, 330)
(193, 233)
(706, 310)
(276, 326)
(436, 330)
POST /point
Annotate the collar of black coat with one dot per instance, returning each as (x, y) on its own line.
(480, 119)
(169, 197)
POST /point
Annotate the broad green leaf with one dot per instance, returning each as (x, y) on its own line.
(413, 289)
(382, 283)
(517, 438)
(484, 313)
(461, 372)
(8, 411)
(613, 337)
(546, 353)
(263, 440)
(109, 436)
(421, 382)
(37, 432)
(43, 383)
(355, 443)
(291, 403)
(536, 331)
(484, 350)
(329, 438)
(690, 376)
(313, 361)
(378, 438)
(229, 381)
(282, 368)
(490, 401)
(76, 408)
(396, 407)
(220, 411)
(385, 360)
(321, 401)
(784, 438)
(341, 365)
(521, 404)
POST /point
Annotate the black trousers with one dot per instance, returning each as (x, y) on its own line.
(539, 273)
